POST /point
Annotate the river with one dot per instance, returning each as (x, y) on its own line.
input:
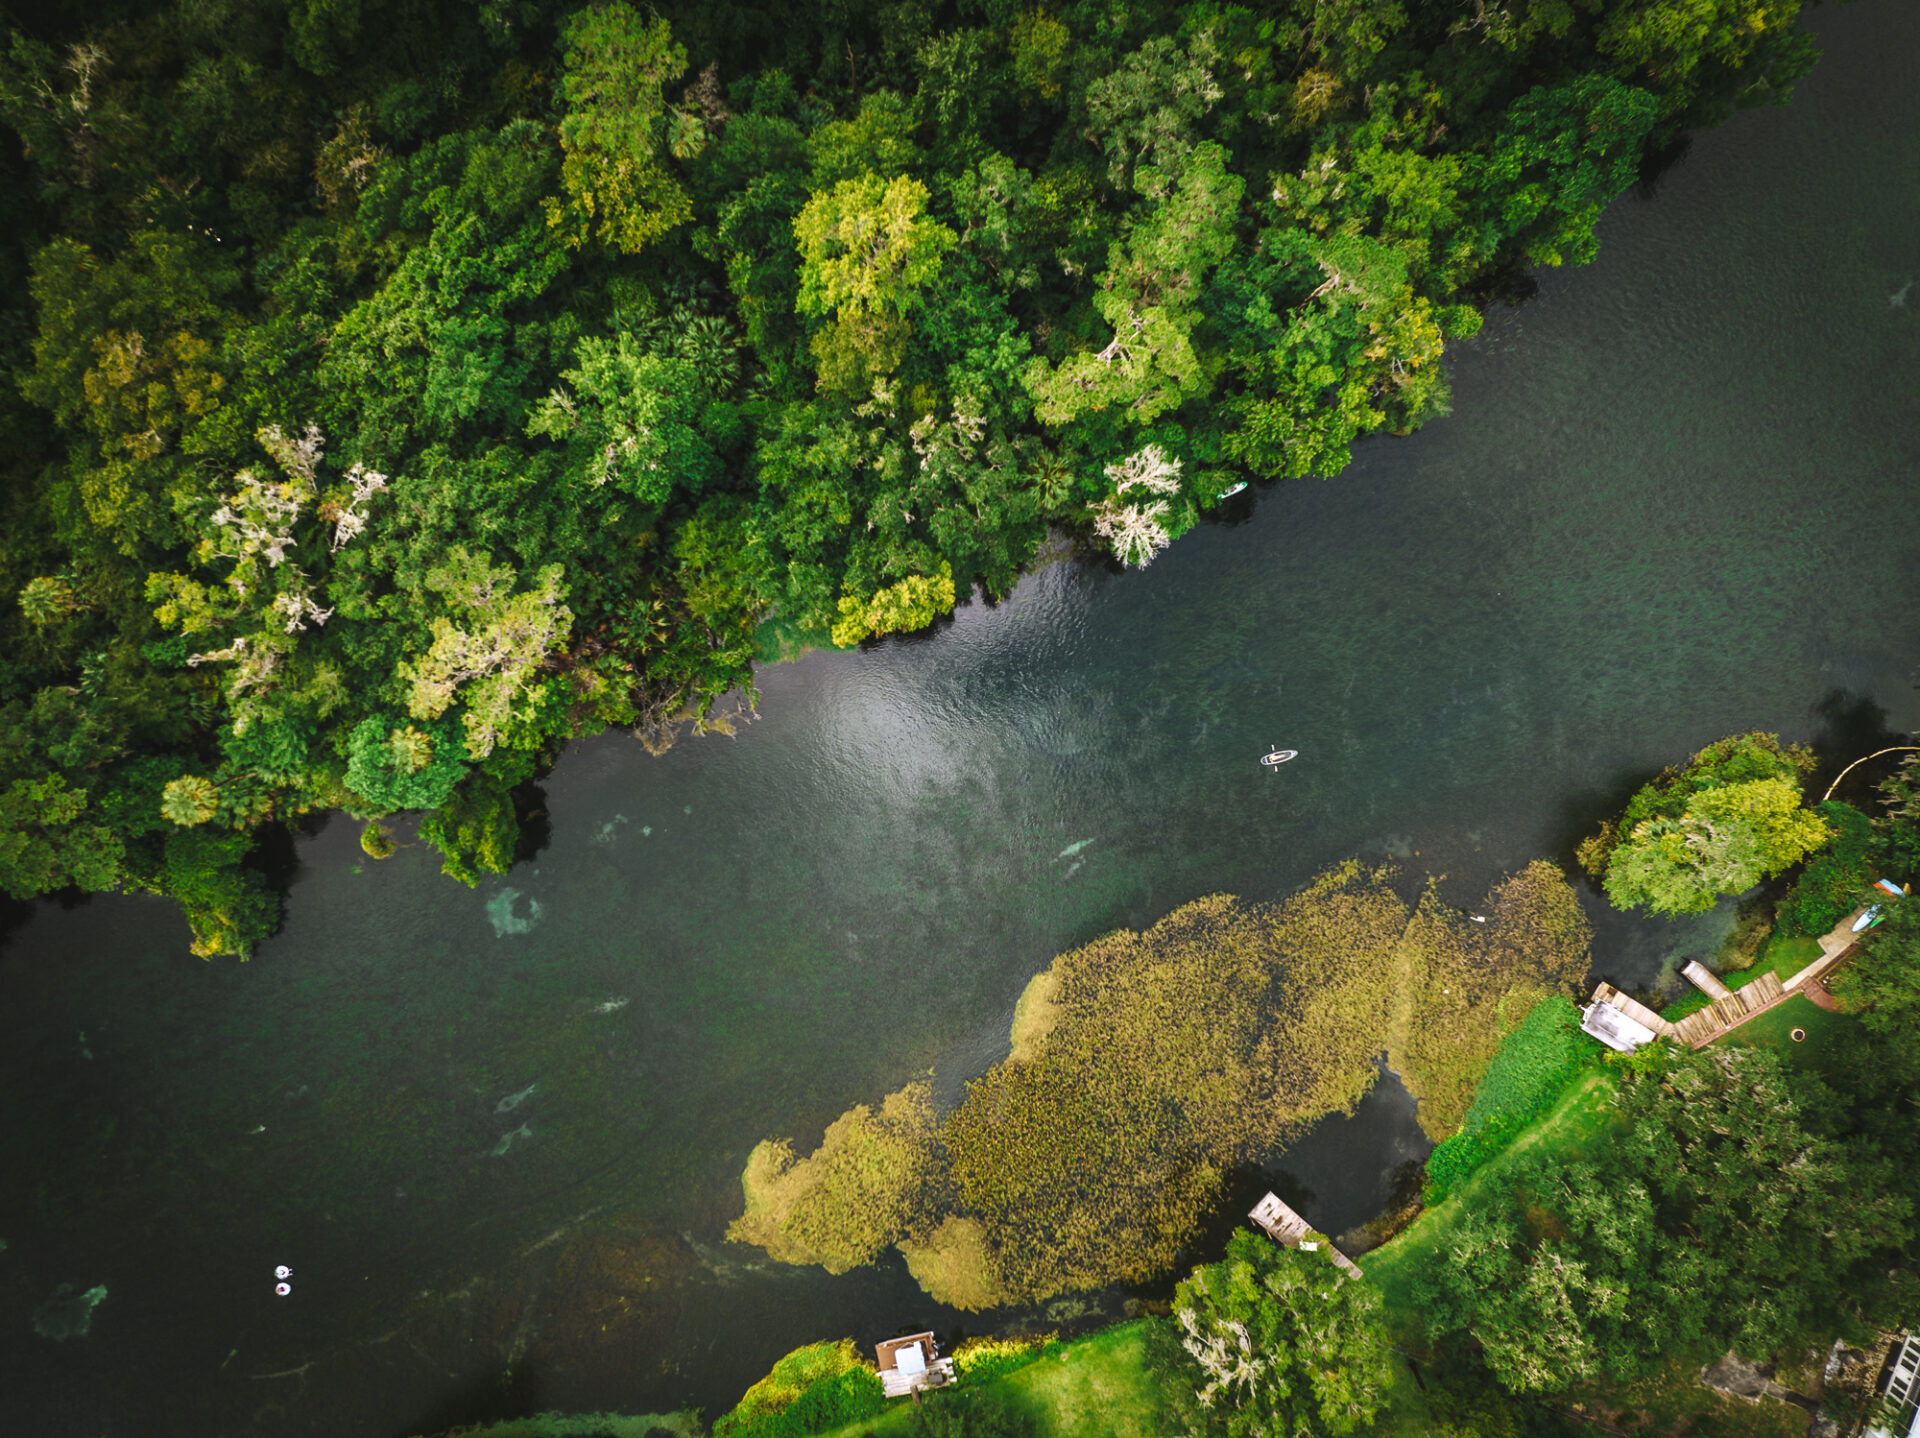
(496, 1134)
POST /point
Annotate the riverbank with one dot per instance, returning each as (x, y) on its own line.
(1112, 1382)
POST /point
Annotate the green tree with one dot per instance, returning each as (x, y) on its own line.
(1149, 296)
(1709, 55)
(392, 766)
(488, 650)
(46, 601)
(190, 800)
(614, 69)
(229, 908)
(1882, 982)
(48, 841)
(634, 420)
(1686, 1234)
(1730, 817)
(1146, 112)
(1284, 1341)
(1826, 891)
(475, 829)
(913, 603)
(1727, 841)
(867, 249)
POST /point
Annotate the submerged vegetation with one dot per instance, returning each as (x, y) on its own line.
(1595, 1223)
(1469, 981)
(390, 400)
(1146, 1066)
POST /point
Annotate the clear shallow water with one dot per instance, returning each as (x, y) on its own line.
(1676, 499)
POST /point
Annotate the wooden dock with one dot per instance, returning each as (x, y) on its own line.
(909, 1364)
(1607, 994)
(1290, 1230)
(1703, 1026)
(1705, 980)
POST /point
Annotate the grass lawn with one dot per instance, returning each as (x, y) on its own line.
(1775, 1028)
(1092, 1387)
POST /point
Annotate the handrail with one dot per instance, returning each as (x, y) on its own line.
(1896, 749)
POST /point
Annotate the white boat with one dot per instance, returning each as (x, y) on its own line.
(1279, 756)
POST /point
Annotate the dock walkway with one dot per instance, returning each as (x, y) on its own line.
(1290, 1230)
(1727, 1008)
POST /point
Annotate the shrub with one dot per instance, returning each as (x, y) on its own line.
(979, 1359)
(1827, 888)
(812, 1390)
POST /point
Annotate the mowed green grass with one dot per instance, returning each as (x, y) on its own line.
(1094, 1387)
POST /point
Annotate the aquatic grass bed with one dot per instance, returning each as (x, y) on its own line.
(1529, 1072)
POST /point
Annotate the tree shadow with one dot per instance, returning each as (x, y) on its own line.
(14, 914)
(536, 825)
(515, 1390)
(1852, 726)
(1658, 162)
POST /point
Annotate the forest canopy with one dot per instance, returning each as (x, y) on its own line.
(395, 395)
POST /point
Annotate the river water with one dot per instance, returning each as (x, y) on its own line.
(497, 1134)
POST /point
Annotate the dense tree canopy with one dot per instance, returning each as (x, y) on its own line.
(1739, 1202)
(1282, 1342)
(1730, 817)
(393, 397)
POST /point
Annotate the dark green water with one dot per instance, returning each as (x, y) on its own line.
(1677, 498)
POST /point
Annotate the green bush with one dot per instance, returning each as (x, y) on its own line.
(979, 1359)
(812, 1390)
(1827, 888)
